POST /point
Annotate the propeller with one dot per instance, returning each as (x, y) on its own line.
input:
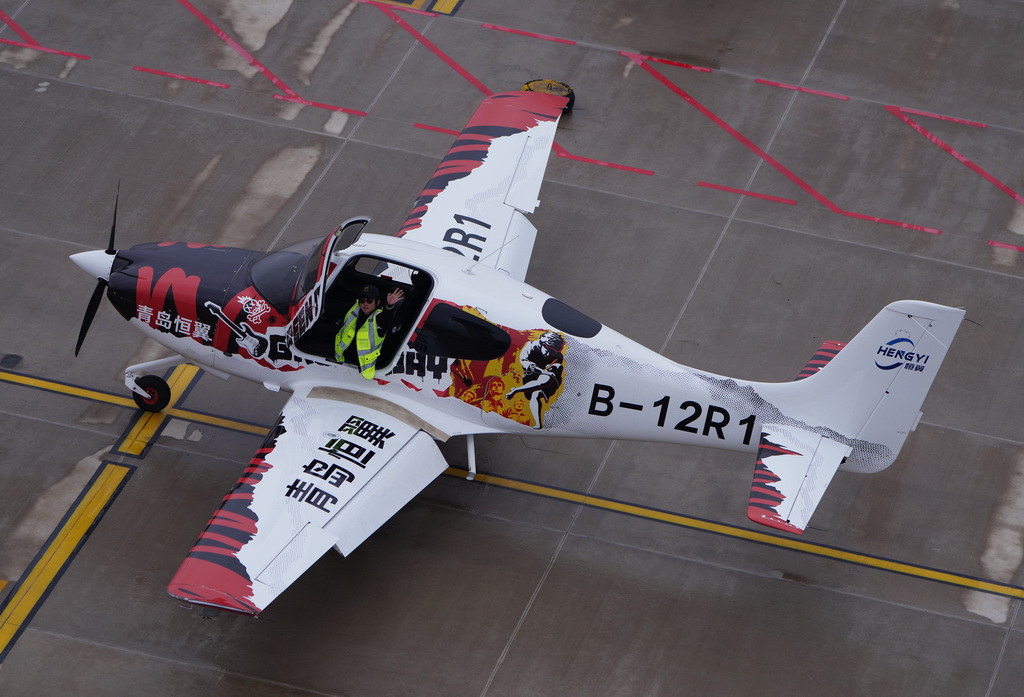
(101, 284)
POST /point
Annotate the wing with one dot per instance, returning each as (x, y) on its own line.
(474, 203)
(329, 474)
(794, 467)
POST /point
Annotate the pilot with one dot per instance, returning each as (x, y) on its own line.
(368, 324)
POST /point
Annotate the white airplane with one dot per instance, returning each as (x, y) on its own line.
(463, 346)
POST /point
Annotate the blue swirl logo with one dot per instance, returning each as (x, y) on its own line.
(901, 349)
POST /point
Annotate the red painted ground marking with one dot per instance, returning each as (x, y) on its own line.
(746, 142)
(37, 47)
(636, 170)
(943, 117)
(993, 243)
(411, 10)
(386, 9)
(901, 114)
(529, 33)
(797, 88)
(886, 221)
(666, 61)
(562, 152)
(223, 36)
(559, 150)
(9, 21)
(436, 128)
(319, 105)
(744, 192)
(176, 76)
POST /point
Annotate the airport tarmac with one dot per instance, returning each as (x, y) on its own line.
(738, 182)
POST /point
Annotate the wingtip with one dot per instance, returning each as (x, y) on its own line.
(208, 597)
(213, 584)
(772, 520)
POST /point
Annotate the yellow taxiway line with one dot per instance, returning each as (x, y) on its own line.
(73, 390)
(731, 531)
(444, 7)
(41, 576)
(129, 403)
(141, 434)
(739, 533)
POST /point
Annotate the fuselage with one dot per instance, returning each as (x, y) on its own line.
(524, 361)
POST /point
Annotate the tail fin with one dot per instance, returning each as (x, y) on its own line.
(873, 389)
(868, 394)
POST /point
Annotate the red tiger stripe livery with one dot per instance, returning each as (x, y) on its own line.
(213, 561)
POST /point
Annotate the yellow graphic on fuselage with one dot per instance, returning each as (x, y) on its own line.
(520, 385)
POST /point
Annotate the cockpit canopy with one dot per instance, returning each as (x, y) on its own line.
(284, 275)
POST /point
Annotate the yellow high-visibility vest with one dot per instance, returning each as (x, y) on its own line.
(368, 342)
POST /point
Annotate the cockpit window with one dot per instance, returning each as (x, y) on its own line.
(345, 285)
(275, 274)
(569, 320)
(450, 332)
(309, 274)
(385, 269)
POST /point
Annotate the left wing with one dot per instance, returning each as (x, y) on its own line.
(474, 203)
(794, 467)
(335, 468)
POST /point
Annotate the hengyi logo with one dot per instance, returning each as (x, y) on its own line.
(901, 350)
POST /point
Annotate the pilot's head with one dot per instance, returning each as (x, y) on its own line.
(369, 299)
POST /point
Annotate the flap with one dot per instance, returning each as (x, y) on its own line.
(409, 471)
(472, 204)
(794, 467)
(330, 473)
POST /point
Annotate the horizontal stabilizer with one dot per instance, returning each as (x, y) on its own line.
(794, 467)
(825, 353)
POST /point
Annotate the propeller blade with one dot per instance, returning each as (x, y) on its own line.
(110, 245)
(90, 312)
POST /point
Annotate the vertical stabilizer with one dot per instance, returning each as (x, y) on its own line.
(873, 389)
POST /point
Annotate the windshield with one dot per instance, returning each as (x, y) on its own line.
(275, 274)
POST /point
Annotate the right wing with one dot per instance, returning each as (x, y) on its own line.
(335, 468)
(473, 205)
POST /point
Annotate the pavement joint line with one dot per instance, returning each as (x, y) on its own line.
(53, 559)
(745, 534)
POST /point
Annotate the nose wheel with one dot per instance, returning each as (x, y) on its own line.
(158, 393)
